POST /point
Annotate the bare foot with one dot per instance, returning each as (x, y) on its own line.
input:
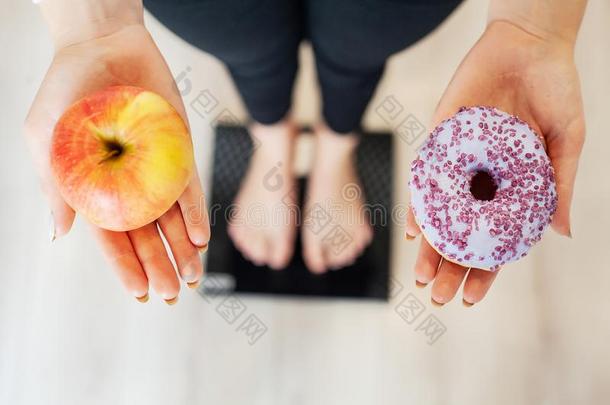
(263, 223)
(336, 228)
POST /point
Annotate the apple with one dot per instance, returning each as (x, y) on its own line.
(121, 157)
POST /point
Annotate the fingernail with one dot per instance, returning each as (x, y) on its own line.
(189, 272)
(193, 284)
(203, 249)
(436, 303)
(419, 284)
(409, 237)
(52, 230)
(466, 303)
(143, 299)
(172, 301)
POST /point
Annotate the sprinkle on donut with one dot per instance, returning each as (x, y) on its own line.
(483, 188)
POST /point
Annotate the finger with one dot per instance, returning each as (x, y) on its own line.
(185, 253)
(447, 282)
(564, 151)
(194, 211)
(38, 132)
(427, 263)
(477, 284)
(151, 253)
(192, 201)
(412, 228)
(119, 252)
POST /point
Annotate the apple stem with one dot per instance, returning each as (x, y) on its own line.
(109, 156)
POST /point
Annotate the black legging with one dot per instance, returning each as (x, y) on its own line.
(258, 41)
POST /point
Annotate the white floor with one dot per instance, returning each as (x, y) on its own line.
(69, 334)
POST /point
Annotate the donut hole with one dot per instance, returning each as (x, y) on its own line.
(483, 187)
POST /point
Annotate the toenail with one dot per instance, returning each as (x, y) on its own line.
(466, 303)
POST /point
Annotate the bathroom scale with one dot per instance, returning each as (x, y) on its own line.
(227, 271)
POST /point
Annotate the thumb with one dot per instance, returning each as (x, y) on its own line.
(411, 227)
(62, 216)
(38, 133)
(564, 150)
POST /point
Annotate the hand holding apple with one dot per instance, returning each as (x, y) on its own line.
(174, 206)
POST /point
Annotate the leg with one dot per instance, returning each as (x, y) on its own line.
(258, 41)
(352, 41)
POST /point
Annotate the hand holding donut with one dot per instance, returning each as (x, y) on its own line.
(532, 76)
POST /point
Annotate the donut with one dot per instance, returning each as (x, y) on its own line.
(482, 188)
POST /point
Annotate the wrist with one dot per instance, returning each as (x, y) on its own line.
(508, 34)
(555, 22)
(535, 31)
(89, 19)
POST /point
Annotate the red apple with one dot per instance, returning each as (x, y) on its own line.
(121, 157)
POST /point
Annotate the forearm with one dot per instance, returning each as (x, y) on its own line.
(72, 21)
(557, 20)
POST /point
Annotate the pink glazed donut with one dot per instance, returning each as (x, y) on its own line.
(483, 188)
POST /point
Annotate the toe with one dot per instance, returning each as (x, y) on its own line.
(368, 236)
(233, 234)
(346, 257)
(313, 255)
(333, 260)
(257, 249)
(364, 241)
(238, 237)
(281, 254)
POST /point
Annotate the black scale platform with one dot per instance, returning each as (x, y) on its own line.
(366, 278)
